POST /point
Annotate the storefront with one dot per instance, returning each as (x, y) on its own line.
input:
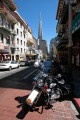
(76, 40)
(4, 52)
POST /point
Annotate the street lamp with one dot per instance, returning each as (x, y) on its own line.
(70, 42)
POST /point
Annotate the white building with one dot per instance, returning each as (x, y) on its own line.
(16, 39)
(7, 33)
(23, 39)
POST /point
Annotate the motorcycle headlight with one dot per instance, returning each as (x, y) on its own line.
(35, 78)
(40, 83)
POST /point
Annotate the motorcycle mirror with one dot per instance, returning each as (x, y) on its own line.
(59, 75)
(61, 81)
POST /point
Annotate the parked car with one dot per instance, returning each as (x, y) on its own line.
(9, 65)
(24, 62)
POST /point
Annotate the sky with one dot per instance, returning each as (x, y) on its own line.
(30, 11)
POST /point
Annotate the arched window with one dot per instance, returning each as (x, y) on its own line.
(1, 37)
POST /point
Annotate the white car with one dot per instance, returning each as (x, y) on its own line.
(9, 65)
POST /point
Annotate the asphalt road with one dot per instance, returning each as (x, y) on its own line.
(5, 73)
(18, 78)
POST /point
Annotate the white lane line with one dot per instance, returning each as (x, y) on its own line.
(29, 74)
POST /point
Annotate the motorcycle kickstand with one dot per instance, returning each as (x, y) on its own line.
(41, 110)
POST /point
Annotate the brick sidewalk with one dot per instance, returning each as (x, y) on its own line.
(10, 100)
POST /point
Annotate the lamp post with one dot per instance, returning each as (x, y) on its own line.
(70, 42)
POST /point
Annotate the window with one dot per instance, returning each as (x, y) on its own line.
(21, 42)
(17, 40)
(24, 35)
(24, 43)
(17, 31)
(21, 34)
(17, 48)
(8, 40)
(21, 50)
(12, 26)
(24, 50)
(20, 25)
(1, 20)
(7, 24)
(1, 37)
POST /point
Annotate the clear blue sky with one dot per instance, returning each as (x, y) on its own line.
(30, 11)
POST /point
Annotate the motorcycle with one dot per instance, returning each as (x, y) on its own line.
(40, 87)
(50, 87)
(61, 86)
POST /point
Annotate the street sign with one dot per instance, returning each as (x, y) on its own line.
(70, 1)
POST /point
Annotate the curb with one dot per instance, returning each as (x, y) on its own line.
(76, 103)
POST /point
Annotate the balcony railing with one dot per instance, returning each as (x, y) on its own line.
(4, 26)
(13, 32)
(9, 14)
(11, 4)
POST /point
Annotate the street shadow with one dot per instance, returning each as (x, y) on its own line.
(25, 108)
(23, 105)
(18, 80)
(78, 116)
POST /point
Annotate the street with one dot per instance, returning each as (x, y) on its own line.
(17, 78)
(14, 90)
(7, 72)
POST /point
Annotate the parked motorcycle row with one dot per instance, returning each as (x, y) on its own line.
(50, 87)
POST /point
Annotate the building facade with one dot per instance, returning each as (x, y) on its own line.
(53, 50)
(63, 31)
(16, 39)
(7, 32)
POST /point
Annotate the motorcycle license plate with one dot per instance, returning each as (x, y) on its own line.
(31, 98)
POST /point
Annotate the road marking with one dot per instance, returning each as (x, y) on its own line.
(29, 74)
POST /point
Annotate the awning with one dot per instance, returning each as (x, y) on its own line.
(4, 52)
(30, 42)
(76, 23)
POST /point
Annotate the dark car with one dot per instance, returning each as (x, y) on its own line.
(24, 62)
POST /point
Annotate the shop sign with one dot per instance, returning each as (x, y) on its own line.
(6, 48)
(76, 23)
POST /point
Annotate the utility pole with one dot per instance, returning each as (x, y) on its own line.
(70, 42)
